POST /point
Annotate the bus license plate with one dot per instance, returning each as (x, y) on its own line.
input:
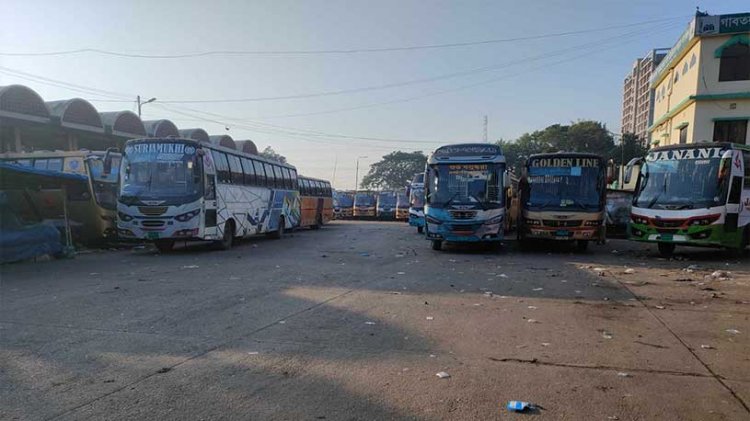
(562, 233)
(666, 237)
(152, 235)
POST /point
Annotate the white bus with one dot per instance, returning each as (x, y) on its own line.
(180, 189)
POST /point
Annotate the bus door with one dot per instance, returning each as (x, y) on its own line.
(209, 194)
(319, 211)
(734, 196)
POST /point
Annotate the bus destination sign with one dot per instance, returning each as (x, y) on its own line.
(472, 149)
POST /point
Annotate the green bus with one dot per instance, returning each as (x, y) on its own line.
(694, 195)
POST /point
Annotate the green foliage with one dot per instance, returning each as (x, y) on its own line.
(394, 170)
(269, 153)
(631, 147)
(581, 136)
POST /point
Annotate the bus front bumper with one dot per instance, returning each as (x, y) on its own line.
(465, 232)
(416, 221)
(705, 236)
(364, 212)
(562, 234)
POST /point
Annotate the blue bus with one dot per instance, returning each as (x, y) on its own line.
(465, 196)
(416, 202)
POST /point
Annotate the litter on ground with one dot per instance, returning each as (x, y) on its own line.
(443, 375)
(520, 406)
(191, 267)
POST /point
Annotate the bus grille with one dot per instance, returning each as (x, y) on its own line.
(463, 214)
(557, 223)
(152, 210)
(152, 223)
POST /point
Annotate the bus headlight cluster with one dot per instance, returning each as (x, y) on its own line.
(187, 215)
(432, 220)
(496, 220)
(637, 219)
(124, 217)
(704, 220)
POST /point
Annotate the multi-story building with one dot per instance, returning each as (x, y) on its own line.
(702, 87)
(637, 96)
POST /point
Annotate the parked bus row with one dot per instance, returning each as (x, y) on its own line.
(382, 205)
(164, 190)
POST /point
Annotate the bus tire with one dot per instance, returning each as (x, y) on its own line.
(582, 245)
(420, 229)
(279, 233)
(666, 249)
(437, 245)
(227, 237)
(164, 246)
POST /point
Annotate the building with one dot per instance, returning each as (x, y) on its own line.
(702, 87)
(637, 95)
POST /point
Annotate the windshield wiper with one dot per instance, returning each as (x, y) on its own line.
(658, 195)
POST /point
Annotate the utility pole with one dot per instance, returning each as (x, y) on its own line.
(485, 129)
(356, 176)
(335, 163)
(138, 99)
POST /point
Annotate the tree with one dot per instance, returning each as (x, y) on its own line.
(269, 153)
(394, 170)
(631, 147)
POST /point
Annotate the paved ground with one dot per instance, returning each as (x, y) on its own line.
(354, 321)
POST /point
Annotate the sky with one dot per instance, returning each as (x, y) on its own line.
(553, 61)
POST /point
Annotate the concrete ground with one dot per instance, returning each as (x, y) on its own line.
(355, 320)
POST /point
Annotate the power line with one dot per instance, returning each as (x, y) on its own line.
(329, 51)
(60, 84)
(468, 72)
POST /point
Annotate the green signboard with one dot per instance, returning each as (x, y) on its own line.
(723, 24)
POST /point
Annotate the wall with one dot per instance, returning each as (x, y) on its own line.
(706, 111)
(710, 70)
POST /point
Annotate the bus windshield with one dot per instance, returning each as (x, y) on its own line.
(682, 184)
(564, 188)
(105, 185)
(345, 200)
(417, 197)
(167, 172)
(387, 199)
(364, 199)
(402, 201)
(466, 184)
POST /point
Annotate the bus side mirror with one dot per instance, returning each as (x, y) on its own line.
(107, 166)
(610, 171)
(628, 173)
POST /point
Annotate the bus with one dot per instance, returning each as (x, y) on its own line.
(692, 194)
(416, 202)
(562, 198)
(465, 189)
(344, 205)
(402, 206)
(364, 204)
(92, 207)
(316, 202)
(386, 205)
(181, 189)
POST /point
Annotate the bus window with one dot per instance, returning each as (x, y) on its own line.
(289, 178)
(329, 192)
(295, 181)
(24, 162)
(279, 177)
(40, 164)
(55, 164)
(236, 169)
(222, 166)
(249, 171)
(260, 174)
(270, 177)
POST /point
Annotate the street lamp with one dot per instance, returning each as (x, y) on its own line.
(143, 103)
(356, 176)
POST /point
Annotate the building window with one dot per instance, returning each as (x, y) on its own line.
(676, 76)
(684, 68)
(683, 135)
(734, 131)
(693, 60)
(735, 63)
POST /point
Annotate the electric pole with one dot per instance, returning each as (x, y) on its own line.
(138, 99)
(485, 129)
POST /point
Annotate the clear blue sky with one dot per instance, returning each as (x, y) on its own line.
(570, 82)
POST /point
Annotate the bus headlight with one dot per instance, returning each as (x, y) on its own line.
(637, 219)
(706, 220)
(432, 220)
(187, 215)
(496, 220)
(124, 217)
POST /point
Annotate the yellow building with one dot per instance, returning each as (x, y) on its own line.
(702, 87)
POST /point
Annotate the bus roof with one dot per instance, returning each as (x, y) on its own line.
(565, 154)
(51, 154)
(723, 145)
(204, 145)
(312, 178)
(466, 152)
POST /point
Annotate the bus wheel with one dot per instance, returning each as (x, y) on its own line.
(582, 245)
(164, 246)
(437, 244)
(666, 249)
(276, 235)
(420, 229)
(227, 238)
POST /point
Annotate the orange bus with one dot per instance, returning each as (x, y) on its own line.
(316, 202)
